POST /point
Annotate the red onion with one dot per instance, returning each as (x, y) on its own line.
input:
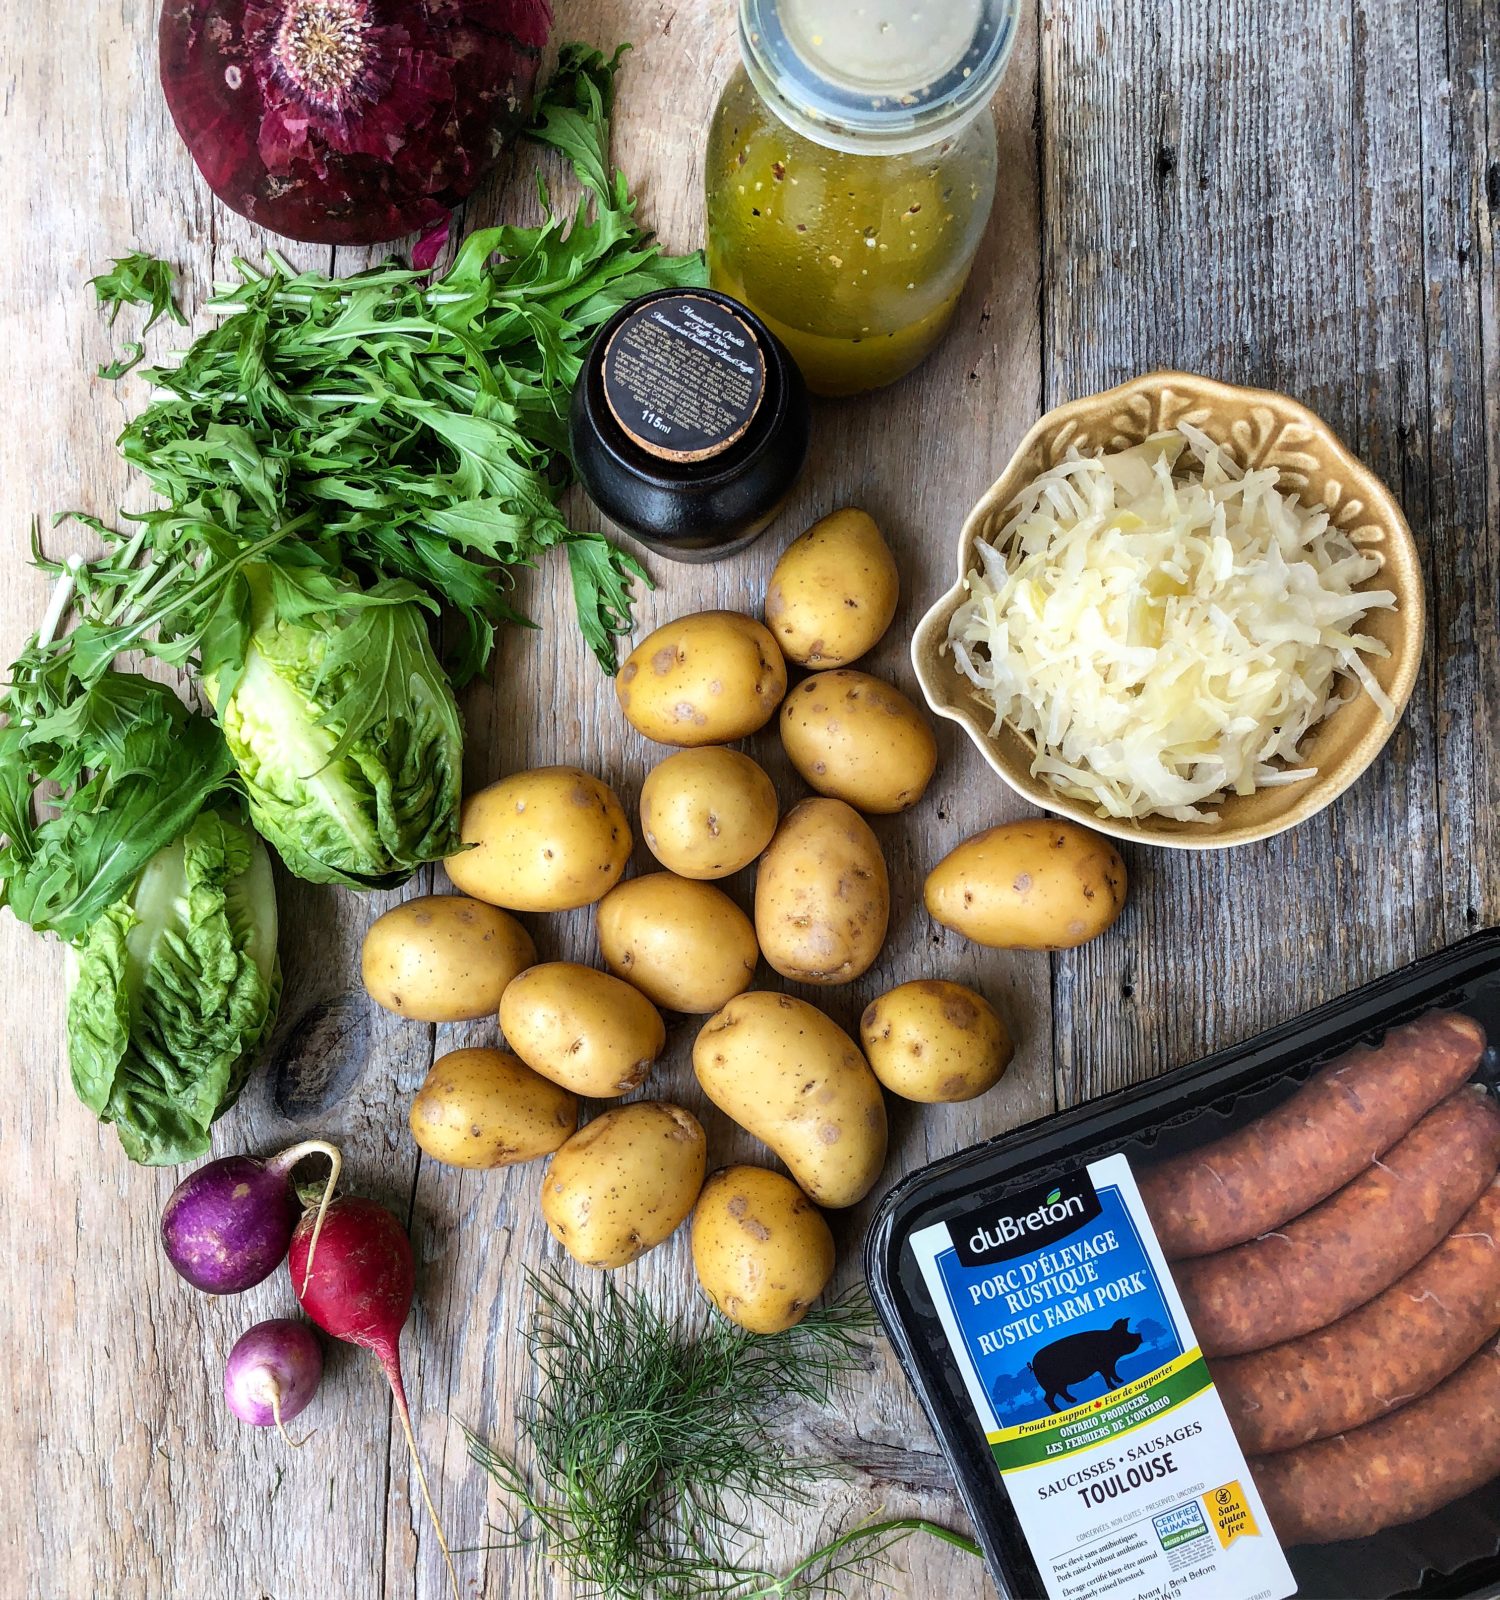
(348, 121)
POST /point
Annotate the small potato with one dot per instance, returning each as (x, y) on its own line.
(705, 679)
(858, 739)
(761, 1249)
(484, 1108)
(549, 840)
(443, 958)
(1033, 885)
(822, 895)
(707, 813)
(794, 1078)
(936, 1042)
(624, 1183)
(583, 1029)
(833, 593)
(686, 946)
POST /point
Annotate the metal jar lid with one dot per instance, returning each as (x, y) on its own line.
(877, 76)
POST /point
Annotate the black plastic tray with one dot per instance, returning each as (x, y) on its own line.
(1453, 1553)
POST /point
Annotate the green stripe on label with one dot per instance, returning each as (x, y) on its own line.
(1110, 1418)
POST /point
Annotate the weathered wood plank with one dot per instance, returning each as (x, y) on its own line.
(1254, 211)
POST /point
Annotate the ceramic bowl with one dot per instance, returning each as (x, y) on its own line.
(1260, 429)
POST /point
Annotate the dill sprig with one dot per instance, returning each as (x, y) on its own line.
(652, 1444)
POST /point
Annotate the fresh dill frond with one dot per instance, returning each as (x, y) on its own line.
(653, 1444)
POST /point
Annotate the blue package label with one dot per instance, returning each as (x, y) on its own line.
(1095, 1399)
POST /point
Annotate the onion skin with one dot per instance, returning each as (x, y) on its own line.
(273, 1372)
(404, 136)
(227, 1226)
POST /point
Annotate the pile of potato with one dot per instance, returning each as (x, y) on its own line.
(558, 839)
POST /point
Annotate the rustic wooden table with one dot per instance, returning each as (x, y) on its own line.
(1298, 193)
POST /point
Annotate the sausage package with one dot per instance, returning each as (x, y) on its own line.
(1233, 1334)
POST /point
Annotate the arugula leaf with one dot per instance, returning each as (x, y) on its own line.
(139, 280)
(135, 353)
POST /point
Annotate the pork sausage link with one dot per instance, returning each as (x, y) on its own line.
(1384, 1355)
(1354, 1245)
(1329, 1131)
(1403, 1467)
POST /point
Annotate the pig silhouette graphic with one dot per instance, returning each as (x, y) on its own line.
(1069, 1361)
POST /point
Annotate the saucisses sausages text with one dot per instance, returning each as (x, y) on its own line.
(1355, 1244)
(1275, 1168)
(1398, 1469)
(1384, 1355)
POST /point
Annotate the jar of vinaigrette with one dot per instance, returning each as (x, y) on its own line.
(851, 174)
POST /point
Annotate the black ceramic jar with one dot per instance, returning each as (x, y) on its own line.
(690, 423)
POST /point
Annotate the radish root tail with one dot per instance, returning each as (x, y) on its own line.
(411, 1444)
(289, 1159)
(287, 1439)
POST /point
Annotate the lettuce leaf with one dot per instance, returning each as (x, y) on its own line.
(342, 725)
(177, 986)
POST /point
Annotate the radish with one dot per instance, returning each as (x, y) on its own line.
(226, 1226)
(361, 1292)
(272, 1373)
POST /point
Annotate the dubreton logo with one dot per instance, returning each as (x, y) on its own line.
(1025, 1221)
(1052, 1210)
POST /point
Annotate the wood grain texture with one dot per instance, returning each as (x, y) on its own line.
(1304, 193)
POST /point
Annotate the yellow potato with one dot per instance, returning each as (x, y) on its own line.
(761, 1249)
(822, 895)
(549, 840)
(935, 1041)
(705, 679)
(1033, 885)
(707, 813)
(834, 592)
(686, 946)
(858, 739)
(583, 1029)
(794, 1078)
(624, 1183)
(484, 1108)
(443, 958)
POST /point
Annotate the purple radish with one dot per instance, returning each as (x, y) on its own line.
(272, 1373)
(228, 1226)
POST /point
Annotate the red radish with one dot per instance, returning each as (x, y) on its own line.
(228, 1224)
(272, 1373)
(361, 1292)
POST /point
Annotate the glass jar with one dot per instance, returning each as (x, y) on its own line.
(851, 174)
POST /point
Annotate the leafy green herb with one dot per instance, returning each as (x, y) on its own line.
(651, 1444)
(405, 428)
(136, 280)
(139, 280)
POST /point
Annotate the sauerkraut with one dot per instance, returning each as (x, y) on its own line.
(1164, 628)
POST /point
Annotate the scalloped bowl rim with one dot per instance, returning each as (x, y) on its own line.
(1301, 801)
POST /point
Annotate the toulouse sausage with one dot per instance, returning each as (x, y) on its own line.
(1406, 1465)
(1329, 1131)
(1357, 1243)
(1384, 1355)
